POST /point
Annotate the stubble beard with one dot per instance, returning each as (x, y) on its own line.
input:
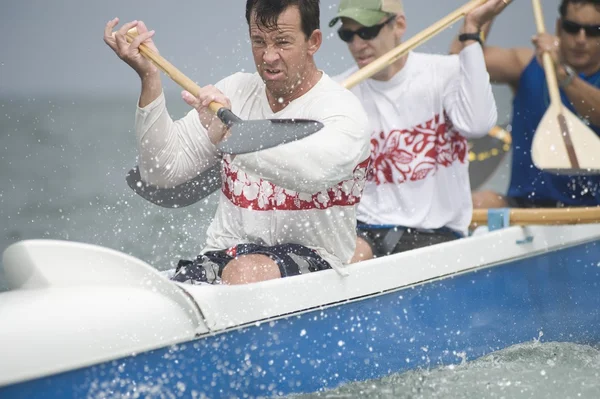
(284, 90)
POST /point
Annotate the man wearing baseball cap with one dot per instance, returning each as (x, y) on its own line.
(367, 12)
(422, 109)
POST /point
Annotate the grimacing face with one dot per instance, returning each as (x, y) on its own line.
(366, 51)
(282, 55)
(579, 50)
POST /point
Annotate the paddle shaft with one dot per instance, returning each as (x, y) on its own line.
(393, 55)
(170, 70)
(544, 216)
(551, 80)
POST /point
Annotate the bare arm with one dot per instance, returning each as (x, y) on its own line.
(584, 97)
(130, 54)
(506, 65)
(151, 89)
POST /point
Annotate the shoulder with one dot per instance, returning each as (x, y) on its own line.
(333, 93)
(514, 57)
(434, 61)
(239, 82)
(524, 56)
(341, 77)
(433, 67)
(330, 99)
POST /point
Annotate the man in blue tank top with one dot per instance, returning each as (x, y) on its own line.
(576, 52)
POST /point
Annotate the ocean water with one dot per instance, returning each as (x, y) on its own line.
(62, 167)
(525, 371)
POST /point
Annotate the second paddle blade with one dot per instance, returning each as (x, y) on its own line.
(549, 151)
(255, 135)
(179, 196)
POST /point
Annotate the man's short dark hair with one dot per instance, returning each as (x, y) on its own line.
(565, 3)
(268, 11)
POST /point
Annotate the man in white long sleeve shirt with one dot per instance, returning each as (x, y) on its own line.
(422, 109)
(283, 211)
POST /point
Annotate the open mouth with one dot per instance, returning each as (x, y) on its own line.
(273, 74)
(364, 60)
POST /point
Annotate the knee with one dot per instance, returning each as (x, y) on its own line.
(362, 252)
(488, 199)
(250, 269)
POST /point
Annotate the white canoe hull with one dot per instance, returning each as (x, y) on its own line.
(82, 318)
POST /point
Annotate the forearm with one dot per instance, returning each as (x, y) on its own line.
(171, 152)
(314, 163)
(151, 89)
(584, 97)
(301, 172)
(457, 46)
(469, 100)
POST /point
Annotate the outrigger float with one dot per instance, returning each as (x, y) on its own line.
(86, 321)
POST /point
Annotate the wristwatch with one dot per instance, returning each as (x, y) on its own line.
(479, 37)
(570, 76)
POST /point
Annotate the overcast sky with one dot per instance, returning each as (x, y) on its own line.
(56, 47)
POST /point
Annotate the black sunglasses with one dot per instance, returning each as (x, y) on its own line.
(366, 33)
(574, 28)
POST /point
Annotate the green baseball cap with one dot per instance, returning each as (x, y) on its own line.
(367, 12)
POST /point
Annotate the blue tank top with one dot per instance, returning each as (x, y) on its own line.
(528, 182)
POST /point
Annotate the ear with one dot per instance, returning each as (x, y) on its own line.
(400, 27)
(558, 28)
(314, 41)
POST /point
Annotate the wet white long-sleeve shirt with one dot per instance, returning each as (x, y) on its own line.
(420, 121)
(303, 192)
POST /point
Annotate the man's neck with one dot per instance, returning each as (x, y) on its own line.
(311, 77)
(391, 71)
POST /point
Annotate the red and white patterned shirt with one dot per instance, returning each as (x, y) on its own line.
(420, 121)
(303, 192)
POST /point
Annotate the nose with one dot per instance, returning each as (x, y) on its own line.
(357, 43)
(271, 55)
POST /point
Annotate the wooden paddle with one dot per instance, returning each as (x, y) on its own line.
(543, 216)
(562, 143)
(244, 135)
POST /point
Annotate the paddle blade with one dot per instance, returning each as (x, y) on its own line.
(549, 151)
(179, 196)
(256, 135)
(486, 154)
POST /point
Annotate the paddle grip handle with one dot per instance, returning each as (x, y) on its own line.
(396, 53)
(170, 70)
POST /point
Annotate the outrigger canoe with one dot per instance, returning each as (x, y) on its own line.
(87, 321)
